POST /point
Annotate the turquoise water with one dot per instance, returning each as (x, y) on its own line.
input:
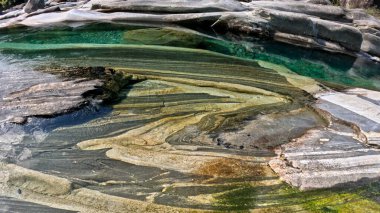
(99, 40)
(332, 69)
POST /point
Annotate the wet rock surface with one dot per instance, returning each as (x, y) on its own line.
(14, 205)
(193, 123)
(47, 99)
(91, 86)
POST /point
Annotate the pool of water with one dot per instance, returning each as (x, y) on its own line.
(161, 142)
(337, 69)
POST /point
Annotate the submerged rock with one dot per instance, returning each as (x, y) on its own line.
(301, 23)
(199, 132)
(164, 36)
(47, 99)
(60, 97)
(113, 81)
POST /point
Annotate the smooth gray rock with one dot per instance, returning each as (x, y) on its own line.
(325, 159)
(358, 107)
(299, 23)
(371, 44)
(272, 21)
(75, 16)
(323, 11)
(345, 35)
(345, 152)
(8, 204)
(356, 3)
(322, 2)
(47, 99)
(169, 6)
(34, 5)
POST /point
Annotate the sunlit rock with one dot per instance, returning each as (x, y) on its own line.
(168, 6)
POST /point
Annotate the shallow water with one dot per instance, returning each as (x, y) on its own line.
(180, 138)
(330, 68)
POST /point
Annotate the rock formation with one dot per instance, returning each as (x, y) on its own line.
(60, 97)
(47, 99)
(33, 5)
(208, 105)
(356, 3)
(346, 152)
(308, 24)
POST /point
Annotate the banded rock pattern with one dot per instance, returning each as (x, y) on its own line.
(198, 130)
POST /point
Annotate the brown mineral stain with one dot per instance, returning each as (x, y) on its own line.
(231, 168)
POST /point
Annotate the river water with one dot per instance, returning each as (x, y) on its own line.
(160, 143)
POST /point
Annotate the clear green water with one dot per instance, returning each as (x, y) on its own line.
(332, 69)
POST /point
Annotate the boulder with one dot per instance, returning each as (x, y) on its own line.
(345, 35)
(33, 5)
(325, 159)
(371, 44)
(274, 21)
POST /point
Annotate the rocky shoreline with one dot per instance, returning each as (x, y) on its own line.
(189, 129)
(311, 25)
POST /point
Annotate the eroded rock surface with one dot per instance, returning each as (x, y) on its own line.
(90, 85)
(358, 107)
(199, 130)
(168, 6)
(47, 99)
(326, 158)
(345, 152)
